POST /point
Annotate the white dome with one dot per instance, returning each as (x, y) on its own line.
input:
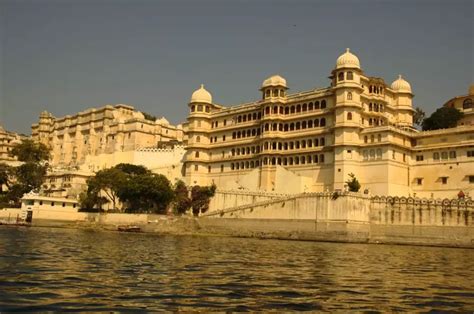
(201, 95)
(401, 86)
(347, 60)
(275, 80)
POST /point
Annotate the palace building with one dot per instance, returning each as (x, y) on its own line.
(311, 141)
(7, 141)
(104, 131)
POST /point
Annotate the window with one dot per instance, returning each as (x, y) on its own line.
(436, 156)
(419, 181)
(223, 138)
(470, 153)
(64, 204)
(452, 154)
(349, 116)
(471, 179)
(196, 167)
(323, 104)
(196, 154)
(198, 139)
(444, 180)
(350, 75)
(467, 103)
(419, 157)
(323, 122)
(340, 76)
(366, 139)
(444, 155)
(52, 203)
(209, 169)
(349, 96)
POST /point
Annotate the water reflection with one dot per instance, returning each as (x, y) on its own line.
(54, 269)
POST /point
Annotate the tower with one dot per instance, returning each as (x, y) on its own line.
(197, 154)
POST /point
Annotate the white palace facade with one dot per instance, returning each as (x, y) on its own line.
(311, 141)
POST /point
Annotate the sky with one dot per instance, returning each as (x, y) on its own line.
(65, 56)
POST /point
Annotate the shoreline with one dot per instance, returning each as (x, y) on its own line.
(190, 226)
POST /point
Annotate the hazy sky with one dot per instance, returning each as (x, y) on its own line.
(65, 56)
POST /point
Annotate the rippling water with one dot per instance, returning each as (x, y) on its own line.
(63, 269)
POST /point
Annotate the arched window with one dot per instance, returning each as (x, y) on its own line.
(274, 127)
(286, 127)
(298, 108)
(349, 116)
(323, 122)
(370, 107)
(315, 159)
(267, 110)
(467, 103)
(254, 116)
(275, 110)
(303, 160)
(305, 107)
(287, 110)
(366, 139)
(310, 143)
(281, 110)
(379, 137)
(303, 125)
(275, 93)
(208, 109)
(292, 126)
(322, 141)
(316, 105)
(196, 154)
(297, 161)
(340, 76)
(292, 109)
(298, 125)
(316, 123)
(349, 96)
(370, 89)
(310, 124)
(310, 106)
(232, 166)
(323, 104)
(198, 139)
(239, 119)
(350, 75)
(193, 108)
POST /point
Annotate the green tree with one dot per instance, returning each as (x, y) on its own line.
(30, 151)
(28, 176)
(200, 198)
(182, 202)
(147, 192)
(148, 116)
(419, 116)
(91, 202)
(442, 118)
(353, 183)
(108, 181)
(6, 176)
(132, 169)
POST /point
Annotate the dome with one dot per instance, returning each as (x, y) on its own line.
(401, 86)
(201, 95)
(275, 80)
(348, 60)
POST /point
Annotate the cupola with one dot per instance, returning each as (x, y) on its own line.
(275, 80)
(348, 60)
(201, 95)
(401, 86)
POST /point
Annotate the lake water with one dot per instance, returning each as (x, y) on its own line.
(64, 269)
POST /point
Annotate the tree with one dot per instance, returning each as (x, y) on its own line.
(148, 116)
(28, 176)
(147, 192)
(182, 202)
(353, 183)
(132, 169)
(109, 181)
(442, 118)
(91, 202)
(6, 176)
(200, 198)
(30, 151)
(418, 116)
